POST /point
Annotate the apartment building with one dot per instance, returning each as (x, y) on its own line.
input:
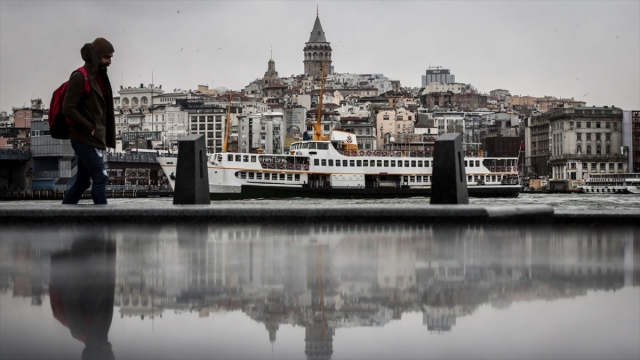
(585, 140)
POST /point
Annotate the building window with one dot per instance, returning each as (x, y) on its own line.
(588, 136)
(588, 149)
(385, 117)
(579, 124)
(598, 136)
(579, 149)
(579, 136)
(607, 137)
(608, 150)
(598, 149)
(588, 124)
(145, 101)
(608, 125)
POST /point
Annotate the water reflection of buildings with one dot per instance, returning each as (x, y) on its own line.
(338, 276)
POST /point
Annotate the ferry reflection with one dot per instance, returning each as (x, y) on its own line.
(81, 292)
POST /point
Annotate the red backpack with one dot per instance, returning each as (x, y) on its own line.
(59, 125)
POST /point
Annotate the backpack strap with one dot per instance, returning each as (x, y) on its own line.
(87, 85)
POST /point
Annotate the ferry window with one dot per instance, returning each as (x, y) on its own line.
(405, 179)
(243, 175)
(305, 145)
(337, 162)
(465, 164)
(493, 178)
(406, 163)
(251, 176)
(297, 177)
(323, 146)
(245, 158)
(365, 162)
(358, 163)
(499, 177)
(412, 179)
(469, 178)
(419, 163)
(418, 178)
(352, 163)
(330, 162)
(289, 177)
(344, 163)
(393, 163)
(413, 163)
(386, 163)
(229, 157)
(323, 162)
(259, 176)
(267, 176)
(316, 162)
(238, 157)
(399, 163)
(477, 163)
(426, 163)
(282, 177)
(608, 125)
(253, 159)
(379, 162)
(312, 145)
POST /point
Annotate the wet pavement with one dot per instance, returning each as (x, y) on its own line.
(320, 291)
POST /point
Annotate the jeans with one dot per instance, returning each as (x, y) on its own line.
(91, 172)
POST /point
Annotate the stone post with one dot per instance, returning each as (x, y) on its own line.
(449, 180)
(192, 178)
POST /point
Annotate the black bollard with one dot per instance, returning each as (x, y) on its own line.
(192, 179)
(449, 177)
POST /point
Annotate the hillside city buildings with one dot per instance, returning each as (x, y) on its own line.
(558, 138)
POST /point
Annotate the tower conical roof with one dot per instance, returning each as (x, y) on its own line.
(317, 34)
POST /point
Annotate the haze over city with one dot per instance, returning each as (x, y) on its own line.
(588, 50)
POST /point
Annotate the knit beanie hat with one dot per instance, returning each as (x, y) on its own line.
(102, 47)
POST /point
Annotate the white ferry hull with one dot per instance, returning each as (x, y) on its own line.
(224, 185)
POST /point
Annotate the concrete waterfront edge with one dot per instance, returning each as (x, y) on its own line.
(211, 214)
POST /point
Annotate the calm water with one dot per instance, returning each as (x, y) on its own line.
(321, 292)
(557, 201)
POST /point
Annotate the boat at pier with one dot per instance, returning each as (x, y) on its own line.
(604, 183)
(331, 169)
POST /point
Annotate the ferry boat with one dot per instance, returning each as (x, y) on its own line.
(332, 169)
(621, 183)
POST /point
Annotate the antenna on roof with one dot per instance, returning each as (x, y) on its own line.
(317, 11)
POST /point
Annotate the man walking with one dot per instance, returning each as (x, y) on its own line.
(92, 121)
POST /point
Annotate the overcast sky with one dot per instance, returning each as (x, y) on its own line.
(589, 50)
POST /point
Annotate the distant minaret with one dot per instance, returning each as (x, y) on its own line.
(316, 50)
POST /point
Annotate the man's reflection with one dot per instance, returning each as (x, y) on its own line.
(81, 290)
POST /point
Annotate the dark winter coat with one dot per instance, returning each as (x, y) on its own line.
(92, 111)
